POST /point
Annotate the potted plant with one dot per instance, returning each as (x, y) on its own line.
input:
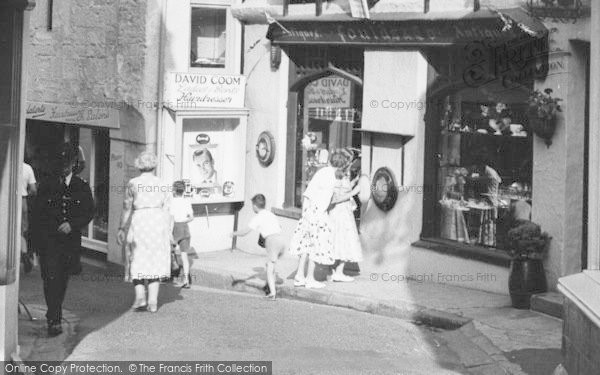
(528, 246)
(542, 112)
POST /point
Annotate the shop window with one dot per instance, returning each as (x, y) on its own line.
(480, 181)
(94, 145)
(208, 37)
(328, 116)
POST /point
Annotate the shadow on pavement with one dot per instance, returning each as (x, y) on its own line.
(94, 299)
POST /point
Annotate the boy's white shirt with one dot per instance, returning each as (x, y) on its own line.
(265, 222)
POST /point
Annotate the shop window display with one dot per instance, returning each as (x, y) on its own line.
(485, 168)
(211, 150)
(330, 115)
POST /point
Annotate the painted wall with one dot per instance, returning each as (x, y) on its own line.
(558, 169)
(102, 53)
(266, 98)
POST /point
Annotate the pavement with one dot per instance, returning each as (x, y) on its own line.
(505, 340)
(485, 335)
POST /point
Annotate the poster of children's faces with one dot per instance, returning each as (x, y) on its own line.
(213, 159)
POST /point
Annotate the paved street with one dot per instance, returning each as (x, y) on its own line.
(203, 324)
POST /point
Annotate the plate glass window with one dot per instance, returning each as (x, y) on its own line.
(485, 165)
(208, 37)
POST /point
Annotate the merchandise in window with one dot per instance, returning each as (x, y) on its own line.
(485, 167)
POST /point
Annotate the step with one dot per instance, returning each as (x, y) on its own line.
(550, 303)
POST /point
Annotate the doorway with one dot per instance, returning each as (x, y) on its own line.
(43, 139)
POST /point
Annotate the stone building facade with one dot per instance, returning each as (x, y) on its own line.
(100, 58)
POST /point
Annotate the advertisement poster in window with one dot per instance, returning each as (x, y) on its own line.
(329, 91)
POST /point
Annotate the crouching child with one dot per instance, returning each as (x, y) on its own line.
(267, 225)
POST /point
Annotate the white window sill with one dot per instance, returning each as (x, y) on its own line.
(583, 290)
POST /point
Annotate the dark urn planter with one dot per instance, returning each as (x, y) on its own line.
(543, 128)
(526, 278)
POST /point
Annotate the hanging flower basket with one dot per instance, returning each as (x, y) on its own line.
(543, 128)
(543, 109)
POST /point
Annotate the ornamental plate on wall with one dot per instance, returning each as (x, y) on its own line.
(383, 189)
(265, 148)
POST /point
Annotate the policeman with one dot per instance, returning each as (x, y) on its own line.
(63, 207)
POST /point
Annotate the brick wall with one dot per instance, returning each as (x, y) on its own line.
(581, 340)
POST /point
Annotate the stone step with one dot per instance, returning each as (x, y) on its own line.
(550, 303)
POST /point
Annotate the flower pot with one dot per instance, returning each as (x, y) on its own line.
(526, 278)
(543, 128)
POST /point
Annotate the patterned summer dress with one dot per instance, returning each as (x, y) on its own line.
(346, 242)
(312, 235)
(149, 234)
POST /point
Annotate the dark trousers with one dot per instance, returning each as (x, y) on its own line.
(55, 275)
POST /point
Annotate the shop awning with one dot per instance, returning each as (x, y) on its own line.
(407, 29)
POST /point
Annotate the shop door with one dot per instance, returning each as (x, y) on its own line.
(328, 119)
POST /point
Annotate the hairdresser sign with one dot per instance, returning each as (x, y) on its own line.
(191, 90)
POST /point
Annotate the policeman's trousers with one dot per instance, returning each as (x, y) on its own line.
(55, 275)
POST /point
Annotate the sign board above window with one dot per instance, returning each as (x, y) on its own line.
(196, 91)
(103, 114)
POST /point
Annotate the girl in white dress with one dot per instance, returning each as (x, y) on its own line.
(346, 242)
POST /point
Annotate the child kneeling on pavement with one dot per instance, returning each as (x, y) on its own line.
(267, 225)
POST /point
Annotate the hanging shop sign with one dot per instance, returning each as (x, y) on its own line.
(196, 91)
(380, 32)
(329, 91)
(76, 113)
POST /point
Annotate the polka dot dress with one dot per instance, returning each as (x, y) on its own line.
(149, 233)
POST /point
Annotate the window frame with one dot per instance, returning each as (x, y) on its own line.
(89, 241)
(297, 84)
(233, 38)
(430, 231)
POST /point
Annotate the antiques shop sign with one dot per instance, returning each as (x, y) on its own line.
(76, 113)
(191, 90)
(417, 32)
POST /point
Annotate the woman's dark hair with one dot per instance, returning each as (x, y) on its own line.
(259, 201)
(204, 151)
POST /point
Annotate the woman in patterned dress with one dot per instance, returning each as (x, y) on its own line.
(312, 238)
(148, 240)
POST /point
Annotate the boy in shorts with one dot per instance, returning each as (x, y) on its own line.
(267, 225)
(182, 213)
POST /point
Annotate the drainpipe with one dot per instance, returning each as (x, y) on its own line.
(161, 80)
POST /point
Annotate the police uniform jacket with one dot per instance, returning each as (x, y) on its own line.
(55, 204)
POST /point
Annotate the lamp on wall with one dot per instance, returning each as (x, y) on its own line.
(275, 57)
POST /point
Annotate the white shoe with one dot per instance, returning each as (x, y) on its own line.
(342, 278)
(314, 285)
(301, 282)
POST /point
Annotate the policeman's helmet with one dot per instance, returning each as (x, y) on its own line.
(67, 154)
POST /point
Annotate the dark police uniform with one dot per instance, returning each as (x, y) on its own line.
(59, 253)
